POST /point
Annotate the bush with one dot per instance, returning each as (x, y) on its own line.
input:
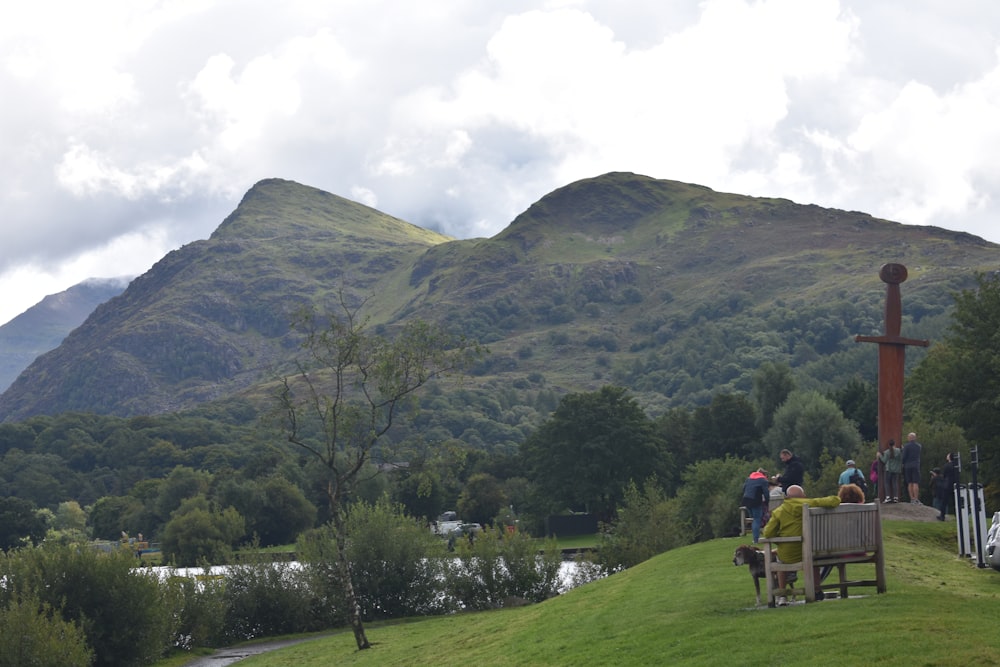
(396, 563)
(708, 502)
(202, 616)
(264, 599)
(499, 569)
(122, 610)
(32, 634)
(647, 524)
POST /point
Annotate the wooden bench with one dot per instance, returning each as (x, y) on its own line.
(746, 521)
(845, 535)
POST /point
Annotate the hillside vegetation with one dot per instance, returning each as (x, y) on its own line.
(671, 290)
(690, 606)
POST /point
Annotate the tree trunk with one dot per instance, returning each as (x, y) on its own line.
(344, 573)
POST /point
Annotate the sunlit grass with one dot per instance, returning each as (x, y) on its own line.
(691, 606)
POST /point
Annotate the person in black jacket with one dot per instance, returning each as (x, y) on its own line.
(794, 473)
(949, 479)
(939, 487)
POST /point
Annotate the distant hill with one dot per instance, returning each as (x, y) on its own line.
(670, 289)
(43, 326)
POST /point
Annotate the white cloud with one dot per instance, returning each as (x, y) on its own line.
(125, 256)
(153, 117)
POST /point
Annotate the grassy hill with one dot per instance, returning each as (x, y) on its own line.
(671, 290)
(691, 606)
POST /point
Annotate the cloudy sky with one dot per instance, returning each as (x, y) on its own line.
(131, 127)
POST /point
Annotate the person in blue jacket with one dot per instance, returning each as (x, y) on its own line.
(756, 494)
(847, 477)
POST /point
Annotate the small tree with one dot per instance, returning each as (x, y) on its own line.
(808, 424)
(481, 499)
(647, 524)
(707, 504)
(396, 563)
(590, 448)
(198, 532)
(958, 380)
(347, 395)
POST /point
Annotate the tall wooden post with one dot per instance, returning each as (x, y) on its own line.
(891, 358)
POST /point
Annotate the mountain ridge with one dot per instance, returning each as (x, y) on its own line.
(618, 278)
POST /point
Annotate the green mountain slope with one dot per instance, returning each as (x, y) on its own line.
(211, 318)
(669, 289)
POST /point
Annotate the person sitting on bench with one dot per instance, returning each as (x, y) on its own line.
(786, 521)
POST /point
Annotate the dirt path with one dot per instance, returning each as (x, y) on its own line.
(228, 656)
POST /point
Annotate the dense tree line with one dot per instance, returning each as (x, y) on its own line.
(203, 487)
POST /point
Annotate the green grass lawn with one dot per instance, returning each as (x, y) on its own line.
(691, 606)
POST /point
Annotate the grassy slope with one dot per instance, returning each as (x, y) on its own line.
(691, 606)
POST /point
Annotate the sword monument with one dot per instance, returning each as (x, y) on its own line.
(891, 358)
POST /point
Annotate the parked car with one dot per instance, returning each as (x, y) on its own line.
(446, 524)
(993, 543)
(470, 529)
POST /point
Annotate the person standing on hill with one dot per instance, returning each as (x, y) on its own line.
(892, 459)
(847, 477)
(794, 473)
(755, 498)
(939, 486)
(911, 467)
(950, 474)
(943, 482)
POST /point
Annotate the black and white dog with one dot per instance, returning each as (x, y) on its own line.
(754, 558)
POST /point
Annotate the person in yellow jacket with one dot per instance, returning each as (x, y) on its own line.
(786, 521)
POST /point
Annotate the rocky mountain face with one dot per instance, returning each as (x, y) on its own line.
(670, 289)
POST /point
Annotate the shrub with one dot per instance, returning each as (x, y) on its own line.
(500, 569)
(32, 634)
(121, 609)
(396, 563)
(646, 525)
(708, 500)
(202, 611)
(265, 599)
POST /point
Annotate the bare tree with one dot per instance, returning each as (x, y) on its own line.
(346, 395)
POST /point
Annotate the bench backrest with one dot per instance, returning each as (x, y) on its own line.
(844, 529)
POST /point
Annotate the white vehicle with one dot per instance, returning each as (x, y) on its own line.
(993, 543)
(446, 524)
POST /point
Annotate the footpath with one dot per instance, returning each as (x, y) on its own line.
(228, 656)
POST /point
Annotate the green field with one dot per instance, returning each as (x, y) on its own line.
(691, 606)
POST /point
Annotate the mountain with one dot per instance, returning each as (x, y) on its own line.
(43, 326)
(670, 289)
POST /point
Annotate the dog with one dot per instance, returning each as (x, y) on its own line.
(754, 558)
